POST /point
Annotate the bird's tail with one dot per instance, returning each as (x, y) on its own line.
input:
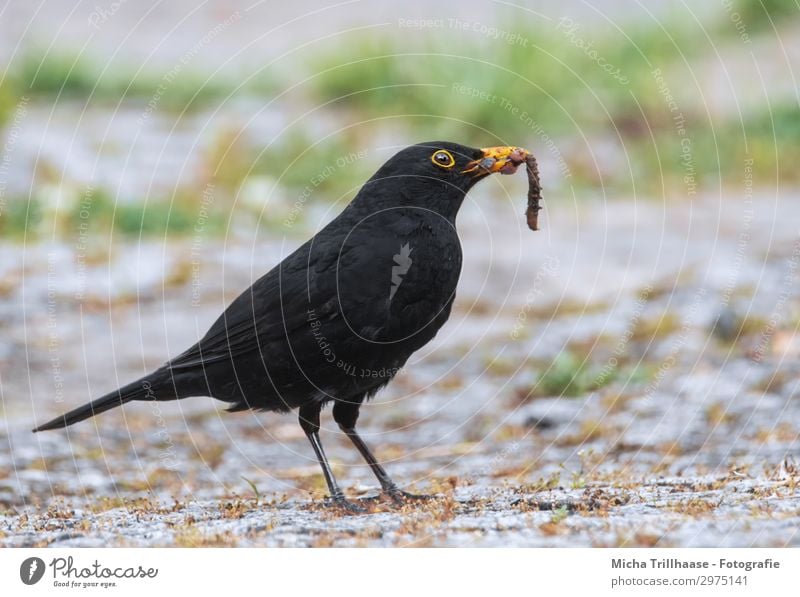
(142, 389)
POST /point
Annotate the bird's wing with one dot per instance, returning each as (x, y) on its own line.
(255, 317)
(332, 280)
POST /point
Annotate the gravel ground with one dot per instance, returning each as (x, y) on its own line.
(679, 429)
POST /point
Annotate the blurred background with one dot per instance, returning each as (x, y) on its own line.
(146, 105)
(156, 158)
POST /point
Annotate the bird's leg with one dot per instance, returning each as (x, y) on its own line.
(309, 421)
(346, 414)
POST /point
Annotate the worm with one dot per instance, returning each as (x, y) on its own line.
(534, 193)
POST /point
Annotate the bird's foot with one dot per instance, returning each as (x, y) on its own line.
(400, 497)
(339, 501)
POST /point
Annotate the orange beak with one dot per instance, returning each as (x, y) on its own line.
(503, 159)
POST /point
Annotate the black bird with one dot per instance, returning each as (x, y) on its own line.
(337, 319)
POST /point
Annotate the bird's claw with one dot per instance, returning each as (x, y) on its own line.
(339, 501)
(400, 497)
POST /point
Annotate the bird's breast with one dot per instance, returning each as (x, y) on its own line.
(397, 276)
(371, 295)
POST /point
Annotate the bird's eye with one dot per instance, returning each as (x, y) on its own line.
(443, 159)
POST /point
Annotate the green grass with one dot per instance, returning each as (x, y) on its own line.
(69, 75)
(405, 87)
(23, 218)
(156, 218)
(55, 73)
(8, 101)
(303, 168)
(769, 137)
(571, 375)
(764, 14)
(328, 167)
(575, 373)
(19, 216)
(549, 77)
(565, 94)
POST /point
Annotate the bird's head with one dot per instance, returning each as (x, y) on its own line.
(439, 173)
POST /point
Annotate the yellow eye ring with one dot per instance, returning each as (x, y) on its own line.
(443, 158)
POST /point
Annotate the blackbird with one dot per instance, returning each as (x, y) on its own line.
(339, 317)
